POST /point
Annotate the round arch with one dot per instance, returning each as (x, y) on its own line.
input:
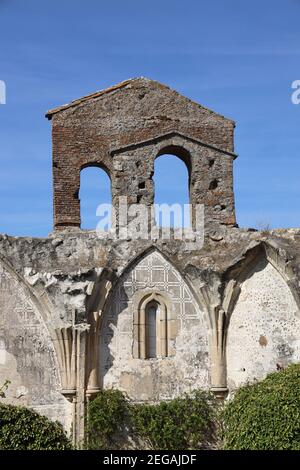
(178, 151)
(95, 189)
(172, 185)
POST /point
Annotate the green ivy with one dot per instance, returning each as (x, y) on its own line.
(182, 423)
(265, 415)
(107, 415)
(24, 429)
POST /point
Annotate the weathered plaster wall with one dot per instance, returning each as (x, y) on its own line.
(27, 357)
(78, 284)
(159, 378)
(264, 329)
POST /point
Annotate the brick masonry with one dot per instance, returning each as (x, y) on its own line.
(123, 129)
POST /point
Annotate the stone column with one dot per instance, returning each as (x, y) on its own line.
(218, 357)
(70, 345)
(93, 349)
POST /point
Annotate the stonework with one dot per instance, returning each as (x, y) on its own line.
(123, 129)
(73, 305)
(27, 355)
(264, 327)
(160, 378)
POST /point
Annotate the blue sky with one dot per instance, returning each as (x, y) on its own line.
(238, 58)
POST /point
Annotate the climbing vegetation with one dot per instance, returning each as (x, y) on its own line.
(182, 423)
(265, 415)
(24, 429)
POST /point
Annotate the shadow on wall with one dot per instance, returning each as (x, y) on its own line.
(108, 330)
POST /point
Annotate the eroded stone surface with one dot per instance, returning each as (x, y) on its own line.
(27, 356)
(69, 302)
(264, 330)
(123, 130)
(162, 378)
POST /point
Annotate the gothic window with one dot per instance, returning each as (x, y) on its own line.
(152, 328)
(152, 314)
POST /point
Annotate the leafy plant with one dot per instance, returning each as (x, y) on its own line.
(265, 415)
(107, 415)
(24, 429)
(183, 423)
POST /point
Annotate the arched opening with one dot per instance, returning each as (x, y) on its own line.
(152, 312)
(151, 328)
(95, 199)
(171, 183)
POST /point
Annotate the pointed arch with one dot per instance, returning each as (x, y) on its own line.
(273, 254)
(201, 300)
(263, 324)
(149, 250)
(41, 304)
(31, 351)
(123, 336)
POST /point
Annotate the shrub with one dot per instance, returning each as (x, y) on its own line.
(182, 423)
(265, 415)
(24, 429)
(107, 415)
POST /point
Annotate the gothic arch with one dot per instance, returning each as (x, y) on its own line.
(263, 324)
(30, 358)
(239, 272)
(152, 276)
(42, 304)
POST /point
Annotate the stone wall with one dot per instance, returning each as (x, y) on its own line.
(67, 307)
(27, 356)
(264, 329)
(123, 129)
(71, 315)
(185, 368)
